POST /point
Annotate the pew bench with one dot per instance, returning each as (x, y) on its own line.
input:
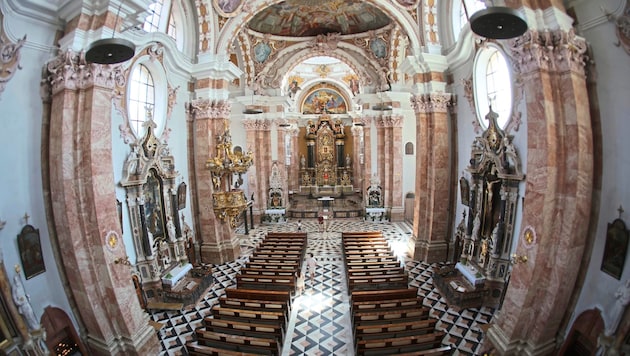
(268, 271)
(353, 259)
(256, 294)
(365, 296)
(406, 344)
(389, 316)
(196, 349)
(282, 283)
(438, 351)
(371, 265)
(255, 316)
(386, 304)
(252, 304)
(238, 342)
(397, 329)
(375, 271)
(268, 331)
(393, 281)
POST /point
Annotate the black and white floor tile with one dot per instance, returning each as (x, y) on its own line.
(320, 323)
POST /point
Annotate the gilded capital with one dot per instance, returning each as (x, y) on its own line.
(209, 109)
(434, 102)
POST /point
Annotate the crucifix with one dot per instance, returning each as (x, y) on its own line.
(26, 216)
(620, 210)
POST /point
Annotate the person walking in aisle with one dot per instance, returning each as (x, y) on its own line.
(311, 263)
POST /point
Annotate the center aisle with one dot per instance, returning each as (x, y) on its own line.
(320, 320)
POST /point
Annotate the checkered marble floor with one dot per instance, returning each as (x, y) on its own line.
(320, 322)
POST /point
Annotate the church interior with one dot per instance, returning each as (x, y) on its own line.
(301, 177)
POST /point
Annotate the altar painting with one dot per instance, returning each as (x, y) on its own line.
(323, 101)
(153, 210)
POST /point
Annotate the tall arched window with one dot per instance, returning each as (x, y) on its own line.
(141, 98)
(492, 85)
(164, 16)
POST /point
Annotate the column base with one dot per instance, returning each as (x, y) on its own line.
(431, 251)
(506, 347)
(145, 342)
(220, 252)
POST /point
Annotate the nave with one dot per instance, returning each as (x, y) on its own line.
(320, 322)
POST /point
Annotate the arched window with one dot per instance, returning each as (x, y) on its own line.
(492, 85)
(164, 15)
(141, 98)
(147, 92)
(462, 11)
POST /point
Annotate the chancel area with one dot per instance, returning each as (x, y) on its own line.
(314, 177)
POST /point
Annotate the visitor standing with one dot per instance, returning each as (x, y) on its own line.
(299, 225)
(311, 263)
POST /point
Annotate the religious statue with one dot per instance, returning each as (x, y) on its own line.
(476, 227)
(615, 314)
(171, 229)
(484, 251)
(302, 162)
(22, 302)
(348, 160)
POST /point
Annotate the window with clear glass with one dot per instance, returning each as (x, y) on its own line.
(152, 22)
(493, 85)
(141, 98)
(462, 11)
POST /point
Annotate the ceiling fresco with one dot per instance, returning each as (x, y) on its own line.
(295, 18)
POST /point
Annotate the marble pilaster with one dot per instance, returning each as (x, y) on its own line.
(559, 188)
(218, 241)
(85, 219)
(431, 218)
(258, 132)
(389, 151)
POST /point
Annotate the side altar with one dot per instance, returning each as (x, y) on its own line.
(485, 236)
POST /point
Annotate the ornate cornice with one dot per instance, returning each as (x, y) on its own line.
(558, 51)
(257, 125)
(209, 109)
(435, 102)
(70, 71)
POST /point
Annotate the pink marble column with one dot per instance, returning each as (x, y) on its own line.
(258, 133)
(431, 218)
(218, 241)
(294, 179)
(559, 185)
(366, 168)
(389, 145)
(83, 210)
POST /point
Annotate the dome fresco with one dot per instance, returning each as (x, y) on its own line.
(297, 19)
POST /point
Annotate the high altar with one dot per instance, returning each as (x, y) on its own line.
(326, 167)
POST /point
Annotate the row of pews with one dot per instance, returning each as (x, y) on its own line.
(252, 318)
(387, 315)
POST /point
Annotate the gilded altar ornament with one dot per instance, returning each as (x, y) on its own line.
(111, 240)
(529, 236)
(516, 259)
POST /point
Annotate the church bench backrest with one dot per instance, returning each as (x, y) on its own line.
(258, 316)
(353, 259)
(438, 351)
(244, 328)
(277, 260)
(389, 281)
(386, 304)
(395, 329)
(238, 342)
(254, 294)
(278, 255)
(267, 271)
(379, 316)
(266, 265)
(195, 349)
(392, 346)
(375, 271)
(401, 293)
(253, 304)
(371, 265)
(282, 283)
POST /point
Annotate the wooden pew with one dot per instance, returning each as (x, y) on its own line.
(255, 294)
(386, 304)
(268, 331)
(367, 296)
(369, 253)
(241, 343)
(374, 271)
(294, 266)
(362, 233)
(276, 260)
(377, 317)
(353, 259)
(372, 265)
(355, 283)
(395, 329)
(268, 271)
(282, 283)
(438, 351)
(397, 345)
(254, 316)
(252, 304)
(195, 349)
(278, 255)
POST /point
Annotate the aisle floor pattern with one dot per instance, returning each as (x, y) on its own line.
(319, 323)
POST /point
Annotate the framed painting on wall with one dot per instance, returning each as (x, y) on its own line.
(181, 196)
(31, 252)
(616, 248)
